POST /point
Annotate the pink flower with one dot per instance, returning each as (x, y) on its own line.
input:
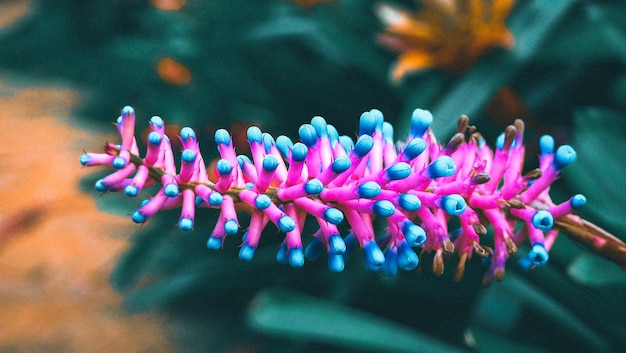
(416, 187)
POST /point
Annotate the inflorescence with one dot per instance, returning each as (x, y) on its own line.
(430, 197)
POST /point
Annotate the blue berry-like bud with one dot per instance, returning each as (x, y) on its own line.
(546, 144)
(314, 249)
(268, 141)
(138, 217)
(363, 145)
(215, 199)
(543, 220)
(131, 190)
(333, 215)
(369, 190)
(374, 257)
(367, 123)
(390, 267)
(578, 201)
(222, 137)
(332, 134)
(188, 155)
(84, 159)
(119, 163)
(320, 126)
(407, 258)
(454, 204)
(284, 145)
(441, 167)
(296, 257)
(128, 110)
(199, 201)
(500, 141)
(100, 186)
(420, 122)
(254, 135)
(565, 155)
(308, 135)
(341, 164)
(538, 254)
(398, 171)
(270, 163)
(281, 255)
(409, 202)
(286, 224)
(388, 132)
(223, 166)
(156, 120)
(346, 142)
(299, 152)
(383, 208)
(335, 262)
(171, 190)
(414, 234)
(154, 138)
(214, 243)
(313, 187)
(242, 160)
(185, 224)
(187, 133)
(380, 118)
(336, 244)
(246, 252)
(414, 148)
(262, 202)
(231, 227)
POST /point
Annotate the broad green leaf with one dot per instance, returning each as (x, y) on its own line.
(600, 169)
(594, 271)
(298, 316)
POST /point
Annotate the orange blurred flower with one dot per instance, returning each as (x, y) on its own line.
(173, 72)
(447, 34)
(168, 5)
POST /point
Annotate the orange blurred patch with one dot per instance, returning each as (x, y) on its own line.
(173, 72)
(11, 12)
(309, 3)
(57, 249)
(168, 5)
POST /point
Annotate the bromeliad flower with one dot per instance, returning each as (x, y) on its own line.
(446, 34)
(418, 189)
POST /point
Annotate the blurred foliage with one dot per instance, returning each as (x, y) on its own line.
(277, 64)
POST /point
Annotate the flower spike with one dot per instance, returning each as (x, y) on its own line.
(415, 187)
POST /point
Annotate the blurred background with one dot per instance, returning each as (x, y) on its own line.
(78, 276)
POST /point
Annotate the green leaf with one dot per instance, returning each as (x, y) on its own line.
(599, 171)
(298, 316)
(594, 271)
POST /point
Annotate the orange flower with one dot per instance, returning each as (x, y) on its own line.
(448, 34)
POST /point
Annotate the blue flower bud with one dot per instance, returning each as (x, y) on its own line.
(131, 190)
(268, 141)
(286, 224)
(543, 220)
(333, 215)
(336, 244)
(84, 159)
(156, 120)
(368, 190)
(407, 258)
(388, 132)
(215, 199)
(578, 201)
(398, 171)
(341, 164)
(409, 202)
(185, 224)
(100, 186)
(308, 135)
(565, 155)
(284, 145)
(119, 163)
(390, 266)
(367, 124)
(188, 156)
(320, 126)
(454, 204)
(138, 217)
(441, 167)
(154, 138)
(420, 122)
(347, 143)
(296, 257)
(414, 234)
(214, 243)
(171, 190)
(538, 254)
(383, 208)
(363, 145)
(414, 148)
(231, 227)
(246, 252)
(262, 202)
(374, 257)
(299, 152)
(314, 249)
(546, 144)
(187, 133)
(335, 262)
(313, 187)
(254, 135)
(270, 163)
